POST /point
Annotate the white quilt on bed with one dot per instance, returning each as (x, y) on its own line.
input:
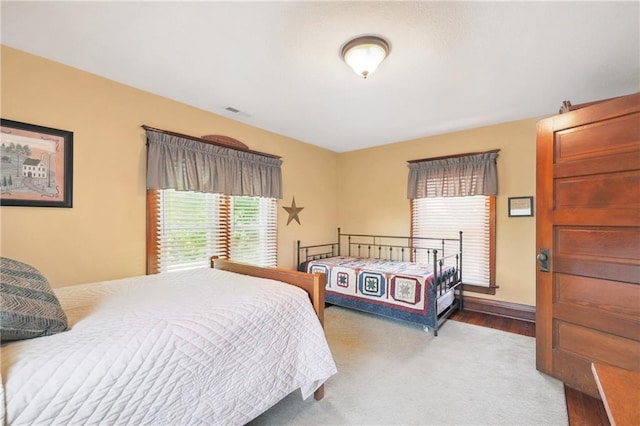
(183, 348)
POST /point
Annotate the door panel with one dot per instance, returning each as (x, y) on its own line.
(597, 346)
(597, 140)
(597, 268)
(575, 368)
(608, 164)
(577, 291)
(588, 216)
(621, 244)
(615, 190)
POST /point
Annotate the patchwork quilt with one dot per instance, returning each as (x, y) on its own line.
(402, 290)
(192, 347)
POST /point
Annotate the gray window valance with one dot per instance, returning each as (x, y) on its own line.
(183, 164)
(457, 176)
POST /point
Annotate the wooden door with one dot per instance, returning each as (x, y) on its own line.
(588, 217)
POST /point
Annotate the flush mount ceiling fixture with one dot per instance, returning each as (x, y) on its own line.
(364, 54)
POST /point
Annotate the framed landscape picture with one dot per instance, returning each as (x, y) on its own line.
(36, 165)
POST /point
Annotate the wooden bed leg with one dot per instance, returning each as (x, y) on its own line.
(319, 393)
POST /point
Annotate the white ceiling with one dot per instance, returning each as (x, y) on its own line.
(453, 65)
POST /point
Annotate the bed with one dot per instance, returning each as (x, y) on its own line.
(206, 346)
(381, 274)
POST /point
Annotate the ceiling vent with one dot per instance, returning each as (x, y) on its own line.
(237, 111)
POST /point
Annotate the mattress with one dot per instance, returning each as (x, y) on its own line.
(445, 300)
(191, 347)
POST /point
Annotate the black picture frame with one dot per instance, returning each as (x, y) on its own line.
(36, 167)
(521, 206)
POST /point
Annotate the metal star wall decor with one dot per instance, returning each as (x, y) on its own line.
(293, 211)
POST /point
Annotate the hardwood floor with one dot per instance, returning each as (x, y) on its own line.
(493, 321)
(582, 409)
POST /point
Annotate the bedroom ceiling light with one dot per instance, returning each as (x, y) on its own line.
(364, 54)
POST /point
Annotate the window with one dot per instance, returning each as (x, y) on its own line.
(457, 193)
(253, 230)
(187, 228)
(473, 215)
(188, 217)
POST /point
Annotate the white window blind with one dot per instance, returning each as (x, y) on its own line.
(253, 230)
(444, 217)
(190, 227)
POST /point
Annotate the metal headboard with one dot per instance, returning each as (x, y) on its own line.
(389, 247)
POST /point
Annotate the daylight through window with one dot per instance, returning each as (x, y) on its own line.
(187, 228)
(444, 217)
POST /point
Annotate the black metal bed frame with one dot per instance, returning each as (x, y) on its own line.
(401, 249)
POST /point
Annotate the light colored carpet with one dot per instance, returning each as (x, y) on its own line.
(393, 373)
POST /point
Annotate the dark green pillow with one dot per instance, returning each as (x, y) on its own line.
(28, 306)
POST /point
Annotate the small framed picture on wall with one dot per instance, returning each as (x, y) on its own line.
(520, 206)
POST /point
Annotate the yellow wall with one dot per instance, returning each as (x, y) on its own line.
(373, 194)
(103, 236)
